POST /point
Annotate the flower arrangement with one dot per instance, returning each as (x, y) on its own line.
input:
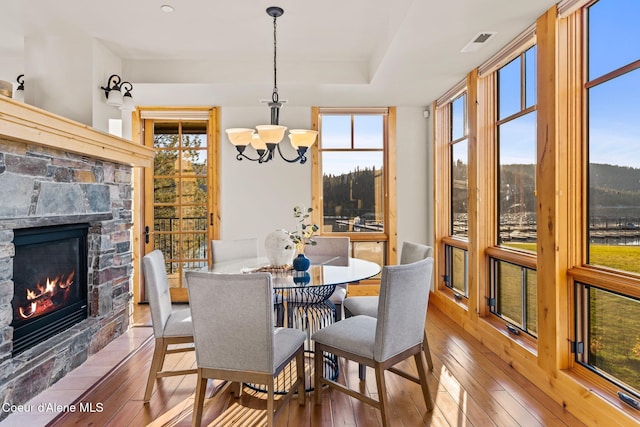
(304, 231)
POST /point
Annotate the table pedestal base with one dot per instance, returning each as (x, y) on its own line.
(307, 317)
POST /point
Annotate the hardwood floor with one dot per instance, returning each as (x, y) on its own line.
(469, 384)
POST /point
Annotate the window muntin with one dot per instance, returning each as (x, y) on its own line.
(352, 157)
(180, 197)
(514, 295)
(607, 335)
(614, 173)
(613, 33)
(517, 84)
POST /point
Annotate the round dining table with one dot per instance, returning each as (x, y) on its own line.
(301, 299)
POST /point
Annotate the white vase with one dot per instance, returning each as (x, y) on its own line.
(275, 246)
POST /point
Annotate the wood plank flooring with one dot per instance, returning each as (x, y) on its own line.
(469, 384)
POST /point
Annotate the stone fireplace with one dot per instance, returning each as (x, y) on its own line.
(57, 175)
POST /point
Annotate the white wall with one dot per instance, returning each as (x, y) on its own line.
(414, 175)
(11, 68)
(58, 75)
(104, 64)
(258, 198)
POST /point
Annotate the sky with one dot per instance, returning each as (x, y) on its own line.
(336, 133)
(614, 111)
(614, 106)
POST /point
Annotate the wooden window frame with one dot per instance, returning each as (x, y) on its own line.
(443, 220)
(573, 30)
(389, 164)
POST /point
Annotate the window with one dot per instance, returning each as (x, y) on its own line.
(553, 237)
(459, 216)
(515, 298)
(614, 144)
(607, 335)
(517, 153)
(514, 283)
(606, 316)
(452, 160)
(354, 178)
(456, 263)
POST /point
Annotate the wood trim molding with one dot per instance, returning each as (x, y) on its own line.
(26, 123)
(525, 40)
(452, 93)
(391, 188)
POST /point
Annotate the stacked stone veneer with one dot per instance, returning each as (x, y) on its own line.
(42, 186)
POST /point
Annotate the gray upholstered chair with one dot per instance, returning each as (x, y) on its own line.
(368, 305)
(235, 337)
(395, 335)
(170, 326)
(236, 249)
(229, 250)
(332, 251)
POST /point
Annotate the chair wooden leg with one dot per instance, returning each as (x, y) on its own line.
(422, 374)
(362, 372)
(317, 374)
(198, 402)
(300, 370)
(427, 352)
(156, 366)
(270, 399)
(382, 395)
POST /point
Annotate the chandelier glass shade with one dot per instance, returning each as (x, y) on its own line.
(268, 137)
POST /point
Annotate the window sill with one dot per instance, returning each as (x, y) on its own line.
(603, 389)
(523, 340)
(455, 297)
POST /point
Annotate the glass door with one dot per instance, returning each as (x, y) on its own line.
(179, 217)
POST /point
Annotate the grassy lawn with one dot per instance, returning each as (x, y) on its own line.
(626, 258)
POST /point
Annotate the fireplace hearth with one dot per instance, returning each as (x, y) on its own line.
(50, 282)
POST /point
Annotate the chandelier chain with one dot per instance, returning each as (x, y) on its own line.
(274, 96)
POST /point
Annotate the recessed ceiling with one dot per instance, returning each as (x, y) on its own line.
(373, 52)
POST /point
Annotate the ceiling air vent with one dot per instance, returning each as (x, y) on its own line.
(478, 41)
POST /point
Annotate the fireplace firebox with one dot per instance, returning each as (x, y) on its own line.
(50, 282)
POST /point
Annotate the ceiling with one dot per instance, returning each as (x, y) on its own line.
(368, 52)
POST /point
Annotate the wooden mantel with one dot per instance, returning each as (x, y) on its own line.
(26, 123)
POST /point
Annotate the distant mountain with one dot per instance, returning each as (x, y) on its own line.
(614, 186)
(611, 186)
(614, 178)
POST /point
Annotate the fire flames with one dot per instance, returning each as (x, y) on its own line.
(44, 297)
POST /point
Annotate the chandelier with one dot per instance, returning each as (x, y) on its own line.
(269, 136)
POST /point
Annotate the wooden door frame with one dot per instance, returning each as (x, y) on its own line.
(139, 197)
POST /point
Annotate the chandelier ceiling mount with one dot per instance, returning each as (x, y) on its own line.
(269, 136)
